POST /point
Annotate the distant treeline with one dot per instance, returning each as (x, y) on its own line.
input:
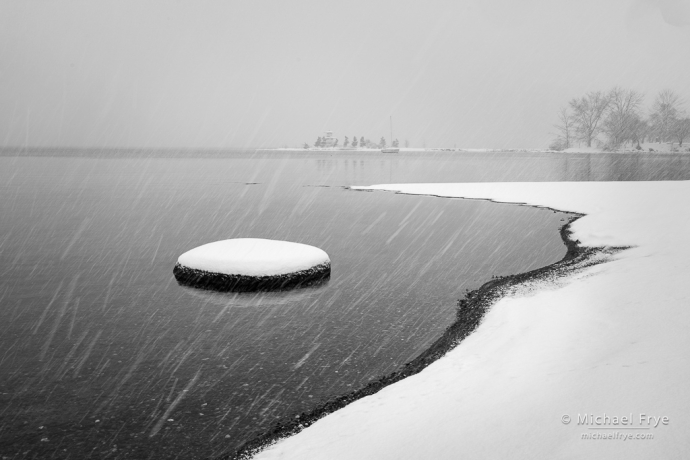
(619, 117)
(362, 143)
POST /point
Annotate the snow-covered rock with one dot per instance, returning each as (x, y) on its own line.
(252, 264)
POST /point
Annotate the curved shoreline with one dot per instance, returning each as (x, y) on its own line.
(470, 312)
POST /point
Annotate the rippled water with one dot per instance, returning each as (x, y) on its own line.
(103, 355)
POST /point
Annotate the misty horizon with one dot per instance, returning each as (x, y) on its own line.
(264, 75)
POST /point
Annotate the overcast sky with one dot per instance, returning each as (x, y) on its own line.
(222, 74)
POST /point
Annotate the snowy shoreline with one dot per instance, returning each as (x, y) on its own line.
(470, 312)
(646, 148)
(587, 343)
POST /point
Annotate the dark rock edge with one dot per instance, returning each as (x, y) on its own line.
(241, 283)
(470, 312)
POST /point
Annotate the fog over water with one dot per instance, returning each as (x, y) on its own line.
(267, 74)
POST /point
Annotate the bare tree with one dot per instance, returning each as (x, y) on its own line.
(665, 113)
(622, 114)
(565, 129)
(681, 130)
(638, 129)
(588, 112)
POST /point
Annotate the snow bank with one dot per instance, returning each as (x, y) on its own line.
(647, 147)
(249, 264)
(611, 340)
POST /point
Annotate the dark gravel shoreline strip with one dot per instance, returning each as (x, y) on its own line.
(240, 283)
(470, 312)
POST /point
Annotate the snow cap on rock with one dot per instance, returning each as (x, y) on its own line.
(253, 257)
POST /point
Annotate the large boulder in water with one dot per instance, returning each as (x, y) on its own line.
(252, 264)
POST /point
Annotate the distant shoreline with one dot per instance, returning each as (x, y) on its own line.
(656, 148)
(664, 149)
(404, 150)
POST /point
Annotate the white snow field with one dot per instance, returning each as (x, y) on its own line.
(253, 257)
(611, 340)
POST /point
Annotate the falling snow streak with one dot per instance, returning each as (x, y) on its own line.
(157, 427)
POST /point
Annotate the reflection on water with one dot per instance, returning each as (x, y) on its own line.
(256, 299)
(502, 167)
(104, 355)
(625, 167)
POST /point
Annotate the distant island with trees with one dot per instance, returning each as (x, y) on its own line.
(614, 120)
(599, 121)
(330, 142)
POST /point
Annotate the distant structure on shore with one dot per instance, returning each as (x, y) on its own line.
(328, 140)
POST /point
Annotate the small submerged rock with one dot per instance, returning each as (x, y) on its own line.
(252, 264)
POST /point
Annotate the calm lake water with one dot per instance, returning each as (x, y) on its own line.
(103, 355)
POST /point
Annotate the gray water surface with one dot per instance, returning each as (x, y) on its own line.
(103, 355)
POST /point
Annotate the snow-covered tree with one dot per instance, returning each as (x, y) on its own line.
(318, 142)
(565, 130)
(588, 112)
(382, 143)
(354, 141)
(638, 129)
(346, 142)
(681, 130)
(395, 144)
(623, 112)
(362, 142)
(665, 113)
